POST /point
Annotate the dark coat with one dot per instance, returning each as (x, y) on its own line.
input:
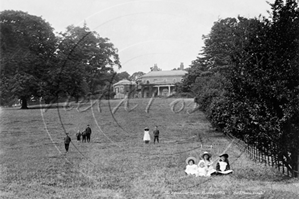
(67, 140)
(88, 131)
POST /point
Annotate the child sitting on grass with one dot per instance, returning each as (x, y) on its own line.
(223, 166)
(205, 167)
(191, 167)
(201, 170)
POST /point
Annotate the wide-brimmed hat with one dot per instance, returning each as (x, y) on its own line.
(146, 128)
(206, 153)
(190, 158)
(225, 155)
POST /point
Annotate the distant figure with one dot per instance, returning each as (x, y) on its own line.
(67, 142)
(146, 135)
(156, 134)
(191, 167)
(88, 132)
(83, 134)
(223, 166)
(78, 136)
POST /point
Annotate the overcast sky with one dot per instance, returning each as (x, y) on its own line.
(146, 32)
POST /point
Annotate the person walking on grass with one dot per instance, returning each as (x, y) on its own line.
(67, 142)
(146, 137)
(88, 132)
(156, 134)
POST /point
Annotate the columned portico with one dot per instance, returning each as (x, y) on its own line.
(161, 89)
(160, 83)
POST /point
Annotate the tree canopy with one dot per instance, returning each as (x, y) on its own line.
(246, 79)
(27, 47)
(36, 63)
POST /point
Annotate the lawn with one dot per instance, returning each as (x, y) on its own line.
(116, 163)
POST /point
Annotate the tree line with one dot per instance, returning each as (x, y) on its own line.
(36, 63)
(246, 80)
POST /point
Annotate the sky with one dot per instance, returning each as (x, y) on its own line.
(145, 32)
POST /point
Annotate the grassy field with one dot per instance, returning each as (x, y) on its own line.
(117, 164)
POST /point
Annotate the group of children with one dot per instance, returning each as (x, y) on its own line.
(147, 138)
(84, 136)
(205, 166)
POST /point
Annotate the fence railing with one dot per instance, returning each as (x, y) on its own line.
(280, 161)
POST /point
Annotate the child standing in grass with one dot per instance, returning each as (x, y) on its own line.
(156, 134)
(67, 142)
(146, 135)
(78, 135)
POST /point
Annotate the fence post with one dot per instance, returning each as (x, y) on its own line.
(298, 167)
(277, 160)
(268, 153)
(253, 152)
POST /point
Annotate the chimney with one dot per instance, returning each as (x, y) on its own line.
(181, 66)
(155, 68)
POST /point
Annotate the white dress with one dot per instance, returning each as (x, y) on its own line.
(222, 166)
(146, 136)
(205, 168)
(191, 169)
(201, 169)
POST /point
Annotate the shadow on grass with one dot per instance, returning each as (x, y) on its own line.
(34, 107)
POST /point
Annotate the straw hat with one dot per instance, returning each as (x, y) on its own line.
(206, 153)
(190, 158)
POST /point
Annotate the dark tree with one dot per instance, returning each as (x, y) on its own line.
(86, 62)
(27, 53)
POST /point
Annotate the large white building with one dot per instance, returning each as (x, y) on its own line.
(154, 83)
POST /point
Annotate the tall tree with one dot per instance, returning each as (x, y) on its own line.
(227, 37)
(267, 77)
(136, 75)
(122, 75)
(86, 61)
(27, 53)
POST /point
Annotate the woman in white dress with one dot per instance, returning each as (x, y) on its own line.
(146, 135)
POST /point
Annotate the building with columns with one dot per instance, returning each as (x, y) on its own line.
(159, 83)
(155, 83)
